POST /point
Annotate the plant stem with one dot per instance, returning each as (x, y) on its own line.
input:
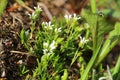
(3, 4)
(117, 66)
(90, 64)
(112, 41)
(95, 50)
(106, 50)
(93, 6)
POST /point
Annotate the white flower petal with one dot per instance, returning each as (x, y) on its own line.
(52, 45)
(83, 40)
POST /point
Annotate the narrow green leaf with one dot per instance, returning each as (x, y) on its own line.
(93, 6)
(65, 75)
(112, 40)
(77, 54)
(90, 64)
(3, 4)
(117, 67)
(22, 36)
(98, 30)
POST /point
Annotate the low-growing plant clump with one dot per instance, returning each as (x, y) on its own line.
(71, 48)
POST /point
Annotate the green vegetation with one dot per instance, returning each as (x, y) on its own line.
(3, 4)
(66, 41)
(61, 44)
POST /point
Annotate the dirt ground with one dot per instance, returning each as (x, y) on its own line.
(16, 17)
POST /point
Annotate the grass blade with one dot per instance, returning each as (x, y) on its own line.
(93, 6)
(112, 40)
(3, 4)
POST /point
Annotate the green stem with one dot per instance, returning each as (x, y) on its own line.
(117, 67)
(110, 43)
(90, 64)
(105, 51)
(95, 50)
(93, 6)
(94, 38)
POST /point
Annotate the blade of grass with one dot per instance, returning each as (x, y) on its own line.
(96, 50)
(77, 54)
(98, 30)
(91, 62)
(65, 75)
(97, 43)
(112, 40)
(93, 6)
(117, 67)
(3, 4)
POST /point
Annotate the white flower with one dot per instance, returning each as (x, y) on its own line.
(45, 46)
(45, 51)
(52, 45)
(72, 17)
(35, 15)
(32, 16)
(27, 32)
(68, 17)
(38, 8)
(47, 25)
(76, 17)
(83, 40)
(48, 49)
(57, 29)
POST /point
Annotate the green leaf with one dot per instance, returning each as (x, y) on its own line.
(22, 36)
(98, 27)
(111, 42)
(77, 54)
(90, 64)
(98, 30)
(93, 6)
(3, 4)
(116, 70)
(65, 75)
